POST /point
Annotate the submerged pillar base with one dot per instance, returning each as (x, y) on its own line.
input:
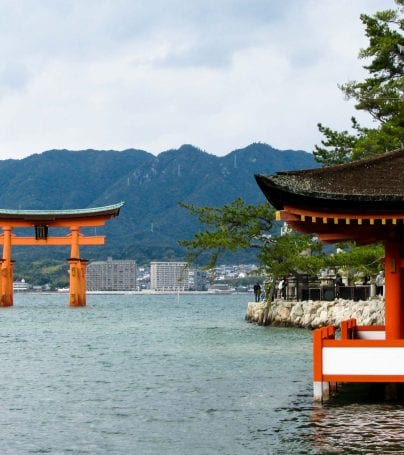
(6, 300)
(77, 282)
(6, 283)
(321, 391)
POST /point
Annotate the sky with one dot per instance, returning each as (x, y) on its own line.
(156, 74)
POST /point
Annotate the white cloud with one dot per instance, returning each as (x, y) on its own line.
(153, 75)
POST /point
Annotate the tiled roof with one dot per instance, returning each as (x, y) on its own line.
(371, 184)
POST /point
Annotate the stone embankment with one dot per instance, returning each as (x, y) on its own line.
(313, 314)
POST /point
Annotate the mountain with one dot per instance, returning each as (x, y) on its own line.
(151, 222)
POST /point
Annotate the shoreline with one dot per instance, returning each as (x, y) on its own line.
(314, 314)
(144, 292)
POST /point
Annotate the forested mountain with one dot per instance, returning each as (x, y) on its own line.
(151, 222)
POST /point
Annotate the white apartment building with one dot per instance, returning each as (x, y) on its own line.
(112, 275)
(169, 276)
(21, 286)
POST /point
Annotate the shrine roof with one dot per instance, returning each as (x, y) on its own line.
(373, 184)
(108, 211)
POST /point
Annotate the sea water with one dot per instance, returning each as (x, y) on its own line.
(168, 374)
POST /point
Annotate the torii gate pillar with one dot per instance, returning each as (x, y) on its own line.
(77, 272)
(77, 282)
(6, 268)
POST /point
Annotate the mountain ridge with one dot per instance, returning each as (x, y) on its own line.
(151, 221)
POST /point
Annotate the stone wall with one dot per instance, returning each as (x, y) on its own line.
(313, 314)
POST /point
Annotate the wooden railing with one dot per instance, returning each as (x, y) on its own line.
(348, 329)
(361, 354)
(319, 335)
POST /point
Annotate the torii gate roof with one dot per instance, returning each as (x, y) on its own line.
(108, 211)
(361, 201)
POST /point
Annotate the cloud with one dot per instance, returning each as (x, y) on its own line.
(153, 75)
(14, 77)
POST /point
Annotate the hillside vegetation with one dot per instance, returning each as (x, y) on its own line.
(151, 221)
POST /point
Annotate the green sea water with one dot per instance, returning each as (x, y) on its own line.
(162, 374)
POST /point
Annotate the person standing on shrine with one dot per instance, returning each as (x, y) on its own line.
(284, 286)
(338, 284)
(257, 291)
(379, 283)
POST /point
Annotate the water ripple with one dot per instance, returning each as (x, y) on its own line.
(151, 375)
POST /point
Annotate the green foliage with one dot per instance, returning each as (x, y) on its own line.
(292, 252)
(381, 94)
(232, 227)
(341, 144)
(363, 259)
(41, 272)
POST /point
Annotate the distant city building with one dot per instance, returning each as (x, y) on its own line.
(169, 276)
(226, 272)
(21, 286)
(143, 277)
(198, 280)
(112, 275)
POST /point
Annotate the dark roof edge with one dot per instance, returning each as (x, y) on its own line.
(276, 195)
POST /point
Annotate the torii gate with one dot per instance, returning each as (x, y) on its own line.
(41, 221)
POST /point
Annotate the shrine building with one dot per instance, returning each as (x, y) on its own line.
(43, 222)
(363, 202)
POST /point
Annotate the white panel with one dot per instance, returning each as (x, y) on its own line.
(371, 334)
(377, 361)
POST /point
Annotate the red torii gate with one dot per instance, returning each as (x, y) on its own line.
(41, 221)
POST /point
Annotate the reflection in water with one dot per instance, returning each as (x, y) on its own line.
(359, 420)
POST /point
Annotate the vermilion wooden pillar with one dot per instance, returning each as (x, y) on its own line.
(83, 279)
(394, 291)
(77, 271)
(6, 275)
(77, 282)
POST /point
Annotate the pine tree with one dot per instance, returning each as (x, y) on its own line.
(381, 94)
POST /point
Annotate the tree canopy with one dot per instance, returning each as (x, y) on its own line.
(239, 225)
(381, 94)
(232, 227)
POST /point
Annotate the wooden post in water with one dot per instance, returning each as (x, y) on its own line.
(77, 271)
(6, 276)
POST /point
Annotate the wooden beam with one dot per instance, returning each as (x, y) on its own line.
(285, 215)
(394, 218)
(67, 240)
(58, 223)
(334, 237)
